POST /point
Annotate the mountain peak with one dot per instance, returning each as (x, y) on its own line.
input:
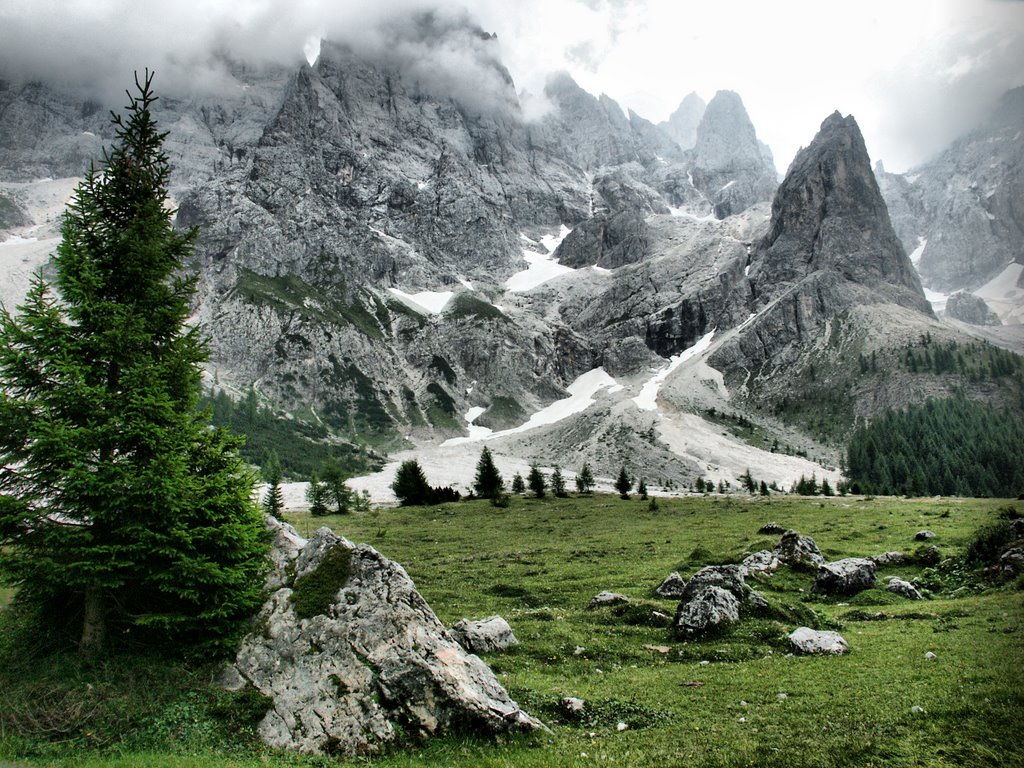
(829, 216)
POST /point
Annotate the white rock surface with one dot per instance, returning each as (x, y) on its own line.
(807, 640)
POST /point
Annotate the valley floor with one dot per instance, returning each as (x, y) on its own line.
(735, 700)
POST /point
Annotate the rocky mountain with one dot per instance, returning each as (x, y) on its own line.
(962, 213)
(682, 124)
(404, 260)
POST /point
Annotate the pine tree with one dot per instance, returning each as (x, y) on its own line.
(558, 483)
(333, 476)
(623, 484)
(536, 481)
(641, 489)
(273, 500)
(488, 483)
(118, 502)
(584, 479)
(316, 497)
(410, 484)
(518, 486)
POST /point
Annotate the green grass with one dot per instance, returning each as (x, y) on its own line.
(539, 562)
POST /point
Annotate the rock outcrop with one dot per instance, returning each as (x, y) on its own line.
(349, 654)
(971, 309)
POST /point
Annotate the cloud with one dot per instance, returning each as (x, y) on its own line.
(915, 73)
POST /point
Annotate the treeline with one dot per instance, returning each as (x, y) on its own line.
(951, 447)
(301, 447)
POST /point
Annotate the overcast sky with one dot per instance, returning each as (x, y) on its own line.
(915, 73)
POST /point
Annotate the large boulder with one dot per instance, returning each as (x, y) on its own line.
(485, 635)
(796, 550)
(727, 577)
(708, 608)
(845, 577)
(350, 655)
(888, 558)
(813, 641)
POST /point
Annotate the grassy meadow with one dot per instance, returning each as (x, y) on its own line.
(738, 699)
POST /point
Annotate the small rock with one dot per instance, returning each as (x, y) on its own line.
(771, 529)
(781, 697)
(930, 656)
(918, 710)
(807, 640)
(1011, 562)
(578, 650)
(744, 704)
(658, 648)
(572, 706)
(904, 589)
(742, 720)
(605, 599)
(764, 562)
(484, 636)
(704, 663)
(693, 684)
(889, 558)
(1017, 528)
(672, 587)
(924, 535)
(621, 727)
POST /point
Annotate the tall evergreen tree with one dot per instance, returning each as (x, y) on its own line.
(623, 484)
(518, 485)
(537, 482)
(410, 484)
(558, 483)
(316, 497)
(488, 483)
(118, 504)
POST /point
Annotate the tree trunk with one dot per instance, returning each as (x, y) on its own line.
(94, 624)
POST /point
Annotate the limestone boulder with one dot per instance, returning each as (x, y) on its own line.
(844, 577)
(903, 588)
(763, 563)
(350, 655)
(672, 587)
(813, 641)
(485, 635)
(708, 608)
(606, 599)
(796, 550)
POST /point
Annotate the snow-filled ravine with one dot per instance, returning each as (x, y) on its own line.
(542, 266)
(647, 400)
(424, 302)
(582, 394)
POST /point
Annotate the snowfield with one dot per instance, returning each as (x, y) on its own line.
(424, 302)
(542, 266)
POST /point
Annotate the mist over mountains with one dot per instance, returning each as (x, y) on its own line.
(367, 225)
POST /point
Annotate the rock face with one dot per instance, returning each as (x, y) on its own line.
(811, 641)
(796, 550)
(845, 577)
(968, 308)
(730, 166)
(485, 635)
(348, 652)
(967, 205)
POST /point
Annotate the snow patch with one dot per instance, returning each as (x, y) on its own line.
(683, 213)
(601, 270)
(582, 393)
(938, 300)
(424, 302)
(465, 282)
(647, 400)
(18, 240)
(727, 186)
(474, 413)
(915, 256)
(542, 267)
